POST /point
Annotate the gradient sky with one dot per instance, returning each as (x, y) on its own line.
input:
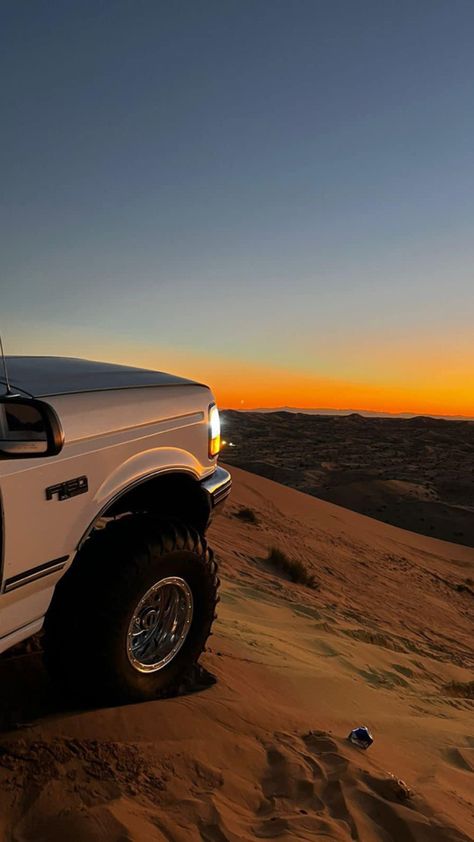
(274, 197)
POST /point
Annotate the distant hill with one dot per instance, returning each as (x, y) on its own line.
(365, 413)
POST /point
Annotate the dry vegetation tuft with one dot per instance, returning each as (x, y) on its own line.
(295, 569)
(247, 515)
(460, 689)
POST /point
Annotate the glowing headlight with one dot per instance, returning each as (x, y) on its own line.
(214, 431)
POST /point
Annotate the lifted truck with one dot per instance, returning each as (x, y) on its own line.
(108, 481)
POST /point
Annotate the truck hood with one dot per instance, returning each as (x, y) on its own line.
(41, 377)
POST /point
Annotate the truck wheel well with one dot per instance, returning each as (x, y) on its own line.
(176, 495)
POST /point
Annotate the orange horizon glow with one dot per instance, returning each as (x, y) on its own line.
(429, 387)
(248, 386)
(413, 379)
(296, 392)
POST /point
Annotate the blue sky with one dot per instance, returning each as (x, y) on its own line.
(278, 184)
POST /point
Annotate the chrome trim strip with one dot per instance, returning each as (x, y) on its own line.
(218, 485)
(221, 495)
(35, 573)
(149, 428)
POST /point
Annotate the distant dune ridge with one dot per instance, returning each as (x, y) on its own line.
(416, 473)
(364, 413)
(385, 640)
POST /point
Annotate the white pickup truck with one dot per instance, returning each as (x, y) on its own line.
(108, 481)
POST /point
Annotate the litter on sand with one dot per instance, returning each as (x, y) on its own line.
(361, 737)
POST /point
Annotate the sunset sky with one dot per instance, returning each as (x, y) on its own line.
(275, 197)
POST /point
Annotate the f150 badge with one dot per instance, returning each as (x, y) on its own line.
(67, 489)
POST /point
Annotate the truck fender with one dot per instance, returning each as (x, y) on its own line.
(139, 469)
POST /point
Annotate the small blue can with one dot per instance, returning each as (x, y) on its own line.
(361, 737)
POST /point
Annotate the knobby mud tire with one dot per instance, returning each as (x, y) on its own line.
(85, 631)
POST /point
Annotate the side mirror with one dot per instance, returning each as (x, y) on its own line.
(28, 428)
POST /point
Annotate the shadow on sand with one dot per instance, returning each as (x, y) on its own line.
(28, 694)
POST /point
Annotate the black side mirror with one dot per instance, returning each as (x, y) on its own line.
(28, 428)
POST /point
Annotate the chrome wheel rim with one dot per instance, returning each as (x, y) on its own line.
(160, 624)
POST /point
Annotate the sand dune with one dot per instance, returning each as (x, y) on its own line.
(385, 640)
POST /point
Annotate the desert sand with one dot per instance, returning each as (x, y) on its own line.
(384, 640)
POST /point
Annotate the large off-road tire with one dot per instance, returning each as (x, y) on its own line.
(133, 614)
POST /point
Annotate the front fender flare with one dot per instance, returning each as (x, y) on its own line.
(137, 470)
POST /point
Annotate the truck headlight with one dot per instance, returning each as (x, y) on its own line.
(214, 431)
